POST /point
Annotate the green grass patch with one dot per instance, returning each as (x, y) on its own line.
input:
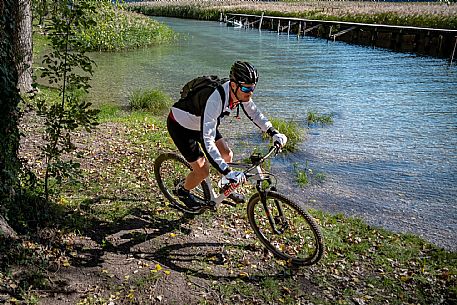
(152, 100)
(302, 176)
(315, 118)
(195, 11)
(307, 175)
(109, 112)
(294, 133)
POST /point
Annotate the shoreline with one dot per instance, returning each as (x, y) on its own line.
(331, 198)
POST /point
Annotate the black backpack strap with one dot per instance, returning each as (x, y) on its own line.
(222, 94)
(238, 111)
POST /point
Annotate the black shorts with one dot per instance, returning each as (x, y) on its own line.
(186, 140)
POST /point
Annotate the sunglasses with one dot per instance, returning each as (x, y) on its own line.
(247, 89)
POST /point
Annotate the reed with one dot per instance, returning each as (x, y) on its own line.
(434, 15)
(179, 11)
(118, 29)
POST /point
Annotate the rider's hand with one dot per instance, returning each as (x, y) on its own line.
(236, 177)
(279, 139)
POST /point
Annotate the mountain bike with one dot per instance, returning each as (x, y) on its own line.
(283, 226)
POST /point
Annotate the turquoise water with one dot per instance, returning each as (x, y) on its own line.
(391, 154)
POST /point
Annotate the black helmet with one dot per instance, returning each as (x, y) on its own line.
(244, 72)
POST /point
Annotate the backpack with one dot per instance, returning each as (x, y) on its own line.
(196, 92)
(192, 87)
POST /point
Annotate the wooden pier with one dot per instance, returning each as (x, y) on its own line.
(423, 41)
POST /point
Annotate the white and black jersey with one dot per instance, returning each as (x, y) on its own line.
(205, 116)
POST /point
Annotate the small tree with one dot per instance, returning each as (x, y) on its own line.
(71, 112)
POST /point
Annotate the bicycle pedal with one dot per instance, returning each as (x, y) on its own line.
(210, 206)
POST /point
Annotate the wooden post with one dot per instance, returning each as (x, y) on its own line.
(440, 45)
(261, 21)
(299, 30)
(374, 36)
(304, 28)
(453, 52)
(279, 25)
(288, 29)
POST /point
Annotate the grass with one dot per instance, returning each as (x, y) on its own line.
(152, 100)
(294, 133)
(315, 118)
(115, 29)
(307, 175)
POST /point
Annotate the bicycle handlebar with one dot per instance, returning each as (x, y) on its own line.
(273, 149)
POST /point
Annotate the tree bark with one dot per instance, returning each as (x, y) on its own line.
(10, 165)
(23, 45)
(5, 230)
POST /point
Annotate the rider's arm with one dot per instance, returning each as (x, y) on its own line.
(254, 114)
(209, 122)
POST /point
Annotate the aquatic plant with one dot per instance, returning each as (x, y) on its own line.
(292, 130)
(314, 118)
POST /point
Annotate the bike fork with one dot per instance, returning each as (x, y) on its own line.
(277, 219)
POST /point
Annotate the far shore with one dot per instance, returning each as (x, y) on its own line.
(323, 8)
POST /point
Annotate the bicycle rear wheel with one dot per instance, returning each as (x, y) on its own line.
(170, 169)
(290, 233)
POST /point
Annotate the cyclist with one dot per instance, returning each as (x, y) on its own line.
(193, 126)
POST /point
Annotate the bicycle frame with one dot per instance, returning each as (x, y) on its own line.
(253, 172)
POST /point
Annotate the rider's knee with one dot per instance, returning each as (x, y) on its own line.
(201, 168)
(202, 172)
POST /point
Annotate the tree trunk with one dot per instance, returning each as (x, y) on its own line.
(5, 230)
(10, 165)
(23, 45)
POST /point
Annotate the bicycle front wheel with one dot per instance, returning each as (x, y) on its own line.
(285, 228)
(171, 169)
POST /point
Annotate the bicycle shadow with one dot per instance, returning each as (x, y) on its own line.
(209, 262)
(141, 235)
(121, 236)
